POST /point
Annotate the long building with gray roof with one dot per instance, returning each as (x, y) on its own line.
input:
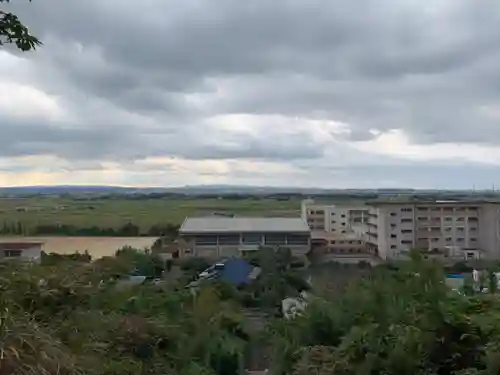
(219, 237)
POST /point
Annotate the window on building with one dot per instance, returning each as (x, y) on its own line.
(343, 232)
(460, 218)
(460, 239)
(320, 212)
(406, 209)
(393, 214)
(297, 239)
(206, 240)
(252, 238)
(473, 239)
(473, 229)
(343, 215)
(407, 220)
(332, 242)
(422, 209)
(448, 239)
(343, 224)
(393, 236)
(341, 242)
(447, 218)
(229, 239)
(275, 239)
(393, 226)
(393, 246)
(406, 231)
(436, 209)
(406, 242)
(12, 253)
(334, 222)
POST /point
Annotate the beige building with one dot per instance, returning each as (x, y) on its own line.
(331, 218)
(219, 237)
(454, 229)
(336, 230)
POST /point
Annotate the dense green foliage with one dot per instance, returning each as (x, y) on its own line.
(13, 31)
(69, 316)
(395, 322)
(71, 319)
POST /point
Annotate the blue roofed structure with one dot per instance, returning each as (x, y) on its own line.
(235, 271)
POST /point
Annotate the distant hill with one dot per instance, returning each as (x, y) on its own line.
(211, 190)
(71, 189)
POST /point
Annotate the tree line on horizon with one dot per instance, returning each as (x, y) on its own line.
(129, 229)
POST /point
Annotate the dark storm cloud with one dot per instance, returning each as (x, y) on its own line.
(427, 67)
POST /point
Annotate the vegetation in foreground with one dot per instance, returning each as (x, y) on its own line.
(68, 316)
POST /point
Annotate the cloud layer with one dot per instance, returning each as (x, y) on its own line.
(333, 94)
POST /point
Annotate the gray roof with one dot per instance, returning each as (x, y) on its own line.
(243, 224)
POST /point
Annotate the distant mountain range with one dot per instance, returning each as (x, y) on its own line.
(202, 189)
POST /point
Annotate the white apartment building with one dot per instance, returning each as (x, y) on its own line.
(455, 229)
(332, 218)
(336, 229)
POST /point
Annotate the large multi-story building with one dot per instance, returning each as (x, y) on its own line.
(220, 237)
(336, 230)
(332, 218)
(455, 229)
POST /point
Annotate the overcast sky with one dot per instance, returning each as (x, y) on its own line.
(320, 93)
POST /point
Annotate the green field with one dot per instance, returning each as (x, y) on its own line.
(144, 213)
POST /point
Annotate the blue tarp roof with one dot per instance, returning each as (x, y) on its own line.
(236, 271)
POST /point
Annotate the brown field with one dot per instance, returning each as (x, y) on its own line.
(96, 246)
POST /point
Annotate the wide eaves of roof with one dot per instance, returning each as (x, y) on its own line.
(243, 225)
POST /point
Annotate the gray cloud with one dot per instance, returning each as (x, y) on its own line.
(144, 78)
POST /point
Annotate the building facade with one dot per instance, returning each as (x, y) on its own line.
(336, 230)
(332, 218)
(217, 237)
(26, 251)
(455, 229)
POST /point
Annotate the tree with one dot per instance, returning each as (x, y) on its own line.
(13, 31)
(398, 322)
